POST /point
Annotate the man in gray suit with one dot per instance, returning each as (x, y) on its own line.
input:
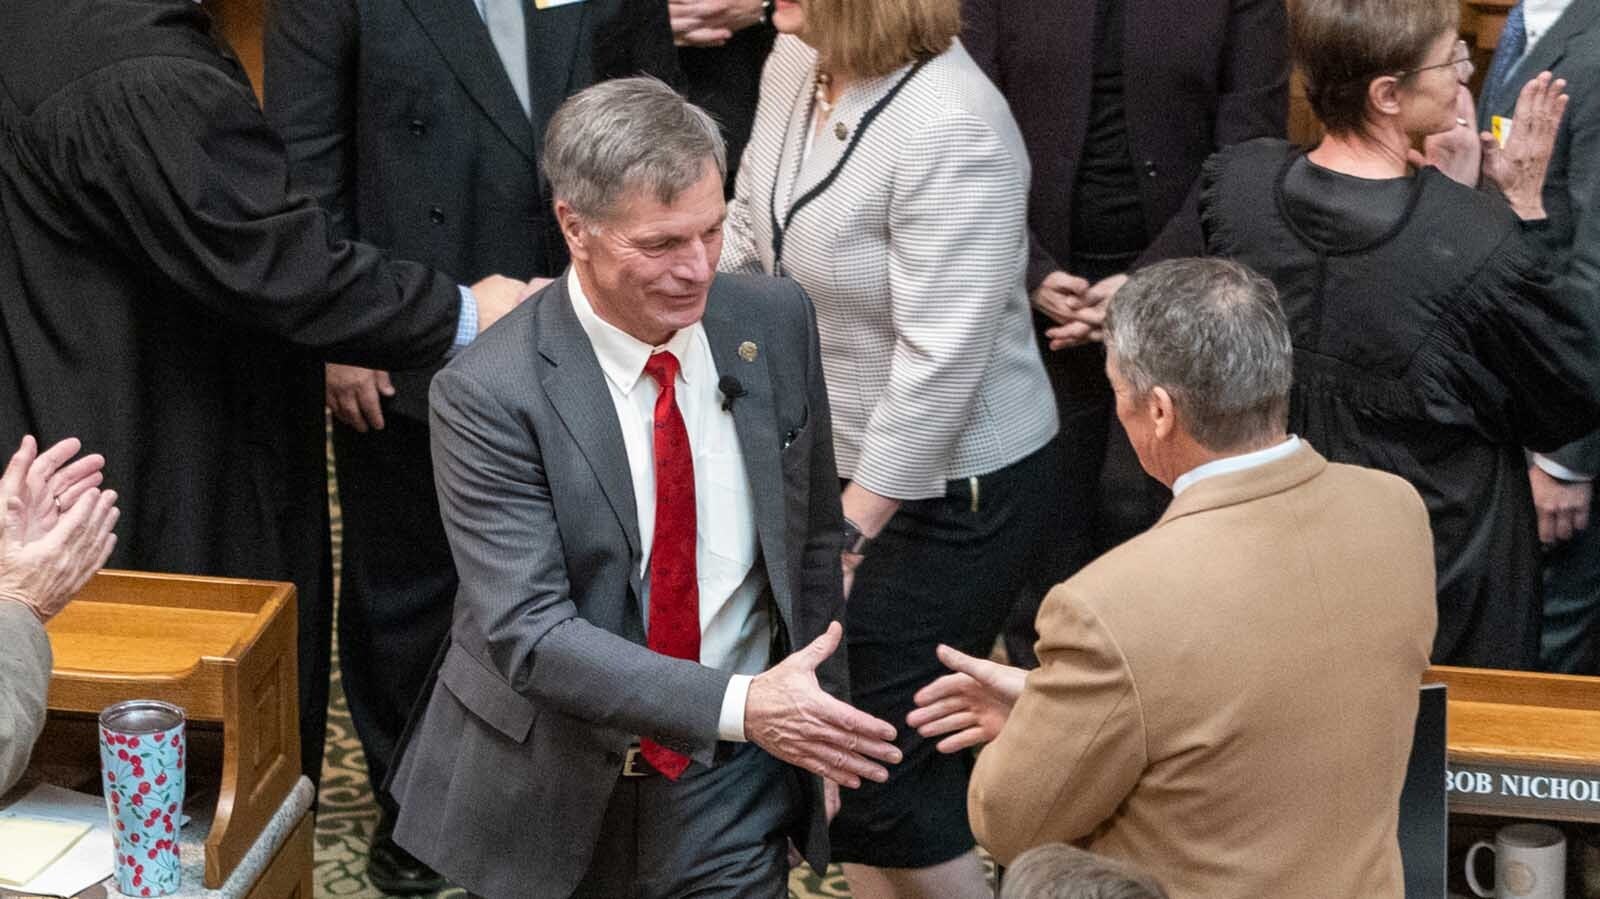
(1563, 38)
(637, 480)
(55, 531)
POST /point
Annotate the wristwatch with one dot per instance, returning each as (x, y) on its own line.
(855, 542)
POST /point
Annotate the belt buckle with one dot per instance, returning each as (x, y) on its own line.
(634, 764)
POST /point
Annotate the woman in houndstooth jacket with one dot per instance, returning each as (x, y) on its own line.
(886, 176)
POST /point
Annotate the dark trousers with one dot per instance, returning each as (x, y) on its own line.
(943, 570)
(714, 833)
(397, 585)
(1099, 497)
(1568, 644)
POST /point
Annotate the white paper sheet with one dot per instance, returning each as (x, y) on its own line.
(86, 863)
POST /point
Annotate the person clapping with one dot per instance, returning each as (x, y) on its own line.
(55, 531)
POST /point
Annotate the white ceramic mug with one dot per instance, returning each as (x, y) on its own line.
(1530, 862)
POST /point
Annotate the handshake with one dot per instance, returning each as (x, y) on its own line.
(1077, 307)
(789, 715)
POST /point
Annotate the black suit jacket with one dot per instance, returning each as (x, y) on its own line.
(1570, 50)
(1199, 75)
(400, 120)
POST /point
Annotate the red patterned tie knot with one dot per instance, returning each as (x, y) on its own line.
(663, 367)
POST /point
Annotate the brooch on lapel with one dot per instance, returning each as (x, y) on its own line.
(747, 351)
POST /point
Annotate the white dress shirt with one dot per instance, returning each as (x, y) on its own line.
(1232, 464)
(735, 625)
(1539, 16)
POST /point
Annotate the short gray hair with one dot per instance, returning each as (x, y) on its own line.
(1059, 871)
(627, 134)
(1212, 333)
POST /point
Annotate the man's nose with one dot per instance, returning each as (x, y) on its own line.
(697, 262)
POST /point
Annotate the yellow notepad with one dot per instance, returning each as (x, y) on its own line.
(33, 844)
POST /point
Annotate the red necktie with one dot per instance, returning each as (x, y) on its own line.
(674, 588)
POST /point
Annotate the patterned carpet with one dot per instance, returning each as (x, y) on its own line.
(348, 814)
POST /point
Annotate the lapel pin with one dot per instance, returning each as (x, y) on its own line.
(840, 131)
(747, 351)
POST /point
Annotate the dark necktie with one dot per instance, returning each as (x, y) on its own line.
(1507, 53)
(674, 588)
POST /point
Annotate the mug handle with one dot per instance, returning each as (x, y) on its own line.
(1472, 872)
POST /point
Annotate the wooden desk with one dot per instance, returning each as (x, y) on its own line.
(223, 650)
(1522, 744)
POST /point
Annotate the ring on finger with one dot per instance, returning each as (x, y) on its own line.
(57, 500)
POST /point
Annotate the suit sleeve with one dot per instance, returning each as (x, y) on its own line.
(1253, 98)
(652, 48)
(980, 34)
(24, 682)
(1074, 746)
(1252, 102)
(821, 583)
(497, 506)
(311, 48)
(957, 229)
(173, 166)
(1579, 277)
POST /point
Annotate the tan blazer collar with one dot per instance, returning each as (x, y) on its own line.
(1244, 486)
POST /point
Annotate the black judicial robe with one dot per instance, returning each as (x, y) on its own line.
(163, 298)
(1434, 348)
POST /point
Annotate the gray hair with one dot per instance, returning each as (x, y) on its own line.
(628, 134)
(1212, 333)
(1059, 871)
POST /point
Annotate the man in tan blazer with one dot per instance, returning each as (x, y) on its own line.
(1227, 700)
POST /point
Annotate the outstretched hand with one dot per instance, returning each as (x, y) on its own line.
(971, 705)
(1518, 169)
(788, 714)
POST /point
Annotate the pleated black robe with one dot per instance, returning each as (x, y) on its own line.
(163, 298)
(1435, 350)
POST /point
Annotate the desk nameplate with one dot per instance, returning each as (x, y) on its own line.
(1524, 791)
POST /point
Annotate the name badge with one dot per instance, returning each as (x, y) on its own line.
(1500, 127)
(551, 4)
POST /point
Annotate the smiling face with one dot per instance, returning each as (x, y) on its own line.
(647, 268)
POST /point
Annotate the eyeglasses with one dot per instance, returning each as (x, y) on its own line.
(1460, 57)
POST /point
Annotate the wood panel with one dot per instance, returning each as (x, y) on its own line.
(224, 650)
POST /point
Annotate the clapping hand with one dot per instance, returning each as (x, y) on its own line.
(788, 714)
(55, 525)
(970, 705)
(1518, 168)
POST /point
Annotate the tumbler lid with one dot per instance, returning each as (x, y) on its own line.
(141, 716)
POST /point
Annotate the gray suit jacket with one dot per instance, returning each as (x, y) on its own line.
(24, 680)
(1570, 50)
(547, 680)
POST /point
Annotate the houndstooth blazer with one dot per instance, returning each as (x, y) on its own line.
(914, 255)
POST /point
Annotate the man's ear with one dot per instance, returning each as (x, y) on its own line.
(1162, 411)
(1383, 95)
(577, 233)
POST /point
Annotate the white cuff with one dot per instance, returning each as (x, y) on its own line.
(1561, 472)
(730, 724)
